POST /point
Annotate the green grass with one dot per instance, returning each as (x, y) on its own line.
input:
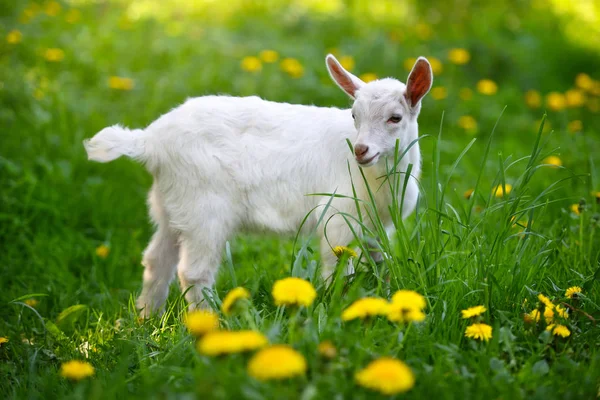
(56, 208)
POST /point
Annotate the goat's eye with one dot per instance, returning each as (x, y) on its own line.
(394, 119)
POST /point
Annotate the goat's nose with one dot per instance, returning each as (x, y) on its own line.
(360, 150)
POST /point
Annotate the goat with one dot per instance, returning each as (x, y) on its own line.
(226, 164)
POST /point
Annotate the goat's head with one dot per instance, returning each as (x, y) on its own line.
(384, 110)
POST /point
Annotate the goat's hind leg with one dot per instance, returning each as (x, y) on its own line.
(160, 259)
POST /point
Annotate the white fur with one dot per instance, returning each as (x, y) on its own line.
(226, 164)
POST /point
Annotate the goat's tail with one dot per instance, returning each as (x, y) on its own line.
(115, 141)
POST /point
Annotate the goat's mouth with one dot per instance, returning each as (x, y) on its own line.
(369, 161)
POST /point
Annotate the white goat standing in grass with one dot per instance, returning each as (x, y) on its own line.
(226, 164)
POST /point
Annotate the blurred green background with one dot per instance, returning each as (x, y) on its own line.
(73, 231)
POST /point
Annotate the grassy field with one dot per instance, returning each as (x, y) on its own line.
(72, 231)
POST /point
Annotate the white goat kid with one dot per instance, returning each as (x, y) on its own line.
(225, 164)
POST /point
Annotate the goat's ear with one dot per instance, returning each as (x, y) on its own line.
(344, 79)
(419, 81)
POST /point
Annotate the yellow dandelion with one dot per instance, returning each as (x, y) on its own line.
(552, 161)
(293, 292)
(3, 340)
(584, 81)
(102, 251)
(292, 67)
(269, 56)
(327, 349)
(368, 77)
(387, 376)
(76, 370)
(439, 93)
(200, 322)
(575, 98)
(545, 301)
(501, 191)
(276, 362)
(556, 101)
(423, 31)
(436, 65)
(52, 8)
(120, 83)
(29, 13)
(468, 193)
(13, 37)
(473, 312)
(409, 63)
(468, 123)
(465, 94)
(228, 342)
(479, 332)
(54, 55)
(532, 317)
(339, 251)
(459, 56)
(31, 302)
(548, 315)
(487, 87)
(406, 306)
(561, 311)
(73, 16)
(409, 298)
(251, 64)
(559, 330)
(365, 308)
(575, 126)
(232, 298)
(347, 62)
(573, 292)
(533, 99)
(576, 209)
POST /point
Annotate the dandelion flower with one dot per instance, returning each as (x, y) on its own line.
(52, 8)
(269, 56)
(473, 312)
(575, 126)
(76, 370)
(556, 101)
(232, 298)
(292, 67)
(439, 93)
(365, 308)
(553, 161)
(368, 77)
(468, 193)
(228, 342)
(468, 123)
(533, 99)
(459, 56)
(200, 322)
(545, 300)
(576, 209)
(327, 349)
(500, 191)
(573, 292)
(487, 87)
(479, 332)
(293, 292)
(548, 315)
(409, 63)
(31, 302)
(251, 64)
(436, 65)
(13, 37)
(339, 251)
(533, 316)
(347, 62)
(3, 340)
(559, 330)
(387, 376)
(120, 83)
(575, 98)
(73, 16)
(584, 81)
(561, 311)
(54, 55)
(276, 362)
(406, 306)
(102, 251)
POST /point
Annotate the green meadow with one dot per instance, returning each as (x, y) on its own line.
(509, 206)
